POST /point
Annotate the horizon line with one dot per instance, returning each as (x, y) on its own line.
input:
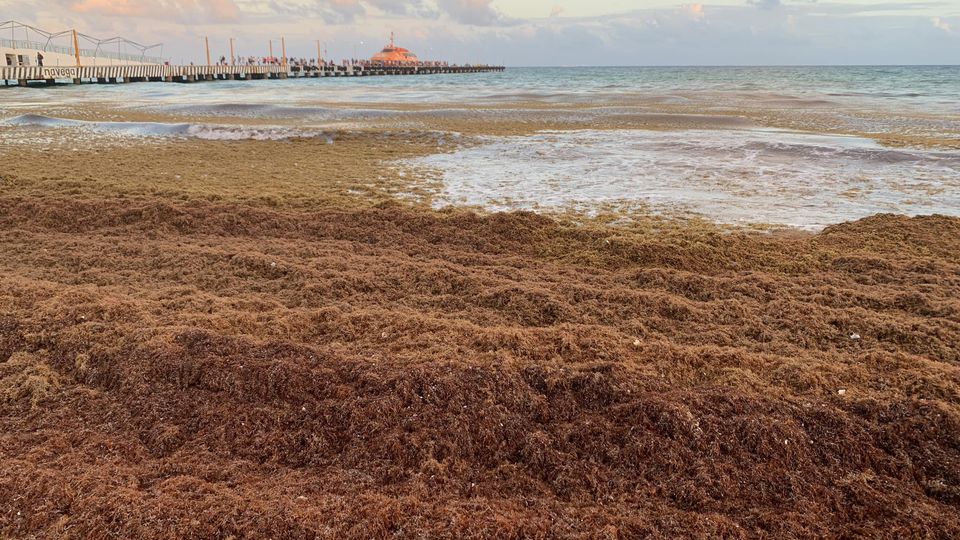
(574, 66)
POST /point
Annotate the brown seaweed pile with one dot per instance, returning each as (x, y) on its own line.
(217, 369)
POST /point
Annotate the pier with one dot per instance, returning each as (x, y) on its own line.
(33, 55)
(23, 75)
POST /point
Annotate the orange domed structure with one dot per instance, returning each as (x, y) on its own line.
(391, 54)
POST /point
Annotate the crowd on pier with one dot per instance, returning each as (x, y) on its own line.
(311, 64)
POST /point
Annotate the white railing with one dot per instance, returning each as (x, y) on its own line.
(89, 53)
(38, 73)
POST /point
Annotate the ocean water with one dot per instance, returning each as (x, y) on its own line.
(812, 146)
(931, 88)
(739, 177)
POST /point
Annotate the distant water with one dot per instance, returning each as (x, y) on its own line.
(931, 88)
(819, 167)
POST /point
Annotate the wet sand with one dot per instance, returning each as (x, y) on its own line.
(516, 116)
(205, 339)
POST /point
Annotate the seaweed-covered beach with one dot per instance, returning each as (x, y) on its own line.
(285, 336)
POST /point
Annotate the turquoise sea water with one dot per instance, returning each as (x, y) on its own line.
(929, 87)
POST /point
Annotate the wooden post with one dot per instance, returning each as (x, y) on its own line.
(283, 50)
(76, 47)
(206, 40)
(233, 57)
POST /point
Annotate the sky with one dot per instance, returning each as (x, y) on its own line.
(528, 32)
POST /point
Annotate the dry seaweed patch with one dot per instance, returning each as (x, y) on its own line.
(212, 369)
(339, 169)
(25, 377)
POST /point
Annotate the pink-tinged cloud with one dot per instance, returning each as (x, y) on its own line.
(790, 32)
(200, 10)
(109, 7)
(694, 11)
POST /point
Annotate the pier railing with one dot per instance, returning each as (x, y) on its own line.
(33, 46)
(165, 73)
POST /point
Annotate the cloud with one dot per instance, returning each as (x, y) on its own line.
(694, 11)
(198, 10)
(467, 12)
(331, 11)
(739, 32)
(408, 7)
(773, 4)
(109, 7)
(941, 24)
(472, 12)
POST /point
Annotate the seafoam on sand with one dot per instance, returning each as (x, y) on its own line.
(732, 176)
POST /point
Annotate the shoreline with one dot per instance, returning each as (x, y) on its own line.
(517, 114)
(279, 165)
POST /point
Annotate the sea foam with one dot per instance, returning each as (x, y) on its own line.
(730, 176)
(225, 132)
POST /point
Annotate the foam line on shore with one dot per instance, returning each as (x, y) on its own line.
(747, 176)
(158, 129)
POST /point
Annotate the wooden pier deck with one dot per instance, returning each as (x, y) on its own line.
(23, 75)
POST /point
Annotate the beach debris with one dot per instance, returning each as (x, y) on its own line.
(855, 336)
(841, 391)
(636, 342)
